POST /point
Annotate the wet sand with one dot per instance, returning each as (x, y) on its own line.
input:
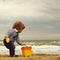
(33, 57)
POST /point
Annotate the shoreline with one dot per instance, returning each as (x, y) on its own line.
(33, 57)
(44, 49)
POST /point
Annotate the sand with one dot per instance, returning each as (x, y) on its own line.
(33, 57)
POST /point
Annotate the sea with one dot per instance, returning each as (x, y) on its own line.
(38, 47)
(37, 42)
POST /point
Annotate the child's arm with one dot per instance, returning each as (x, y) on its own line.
(19, 42)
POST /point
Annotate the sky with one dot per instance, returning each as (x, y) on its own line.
(41, 18)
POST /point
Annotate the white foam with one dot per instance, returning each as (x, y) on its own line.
(43, 49)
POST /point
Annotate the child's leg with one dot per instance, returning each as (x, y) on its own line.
(7, 45)
(12, 50)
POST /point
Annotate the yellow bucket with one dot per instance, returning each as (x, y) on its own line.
(26, 51)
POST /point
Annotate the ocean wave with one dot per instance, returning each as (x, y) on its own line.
(43, 49)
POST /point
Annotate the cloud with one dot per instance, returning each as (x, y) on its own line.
(12, 9)
(30, 8)
(41, 17)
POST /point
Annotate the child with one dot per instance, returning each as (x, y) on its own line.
(12, 35)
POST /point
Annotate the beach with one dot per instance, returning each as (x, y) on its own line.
(43, 49)
(44, 52)
(39, 52)
(33, 57)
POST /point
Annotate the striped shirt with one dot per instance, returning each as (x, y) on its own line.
(13, 35)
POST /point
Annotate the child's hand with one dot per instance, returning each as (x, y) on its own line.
(23, 44)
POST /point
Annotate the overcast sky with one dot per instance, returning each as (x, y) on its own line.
(41, 18)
